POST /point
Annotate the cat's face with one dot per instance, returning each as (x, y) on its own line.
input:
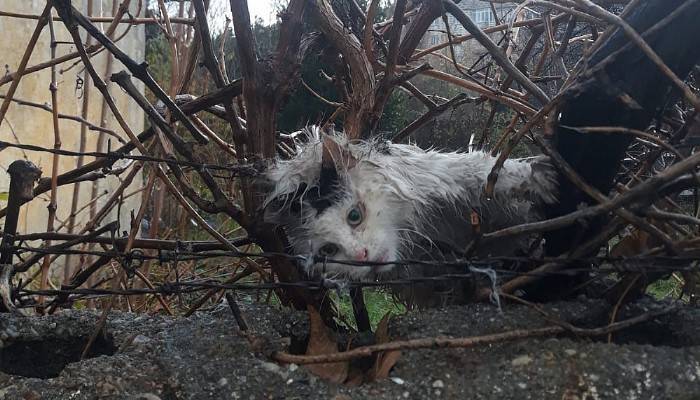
(343, 210)
(357, 227)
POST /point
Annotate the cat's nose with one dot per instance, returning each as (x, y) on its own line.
(361, 255)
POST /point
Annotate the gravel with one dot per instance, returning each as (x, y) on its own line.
(152, 357)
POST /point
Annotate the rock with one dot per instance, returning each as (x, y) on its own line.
(146, 396)
(202, 357)
(521, 361)
(268, 366)
(31, 395)
(141, 339)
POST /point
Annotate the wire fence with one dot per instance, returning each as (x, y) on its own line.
(462, 269)
(106, 262)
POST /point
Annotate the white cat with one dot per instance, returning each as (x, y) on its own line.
(373, 201)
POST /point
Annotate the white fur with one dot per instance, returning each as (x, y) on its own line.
(404, 194)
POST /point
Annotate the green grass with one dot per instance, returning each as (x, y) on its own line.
(378, 303)
(665, 288)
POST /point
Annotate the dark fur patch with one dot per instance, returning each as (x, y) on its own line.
(314, 196)
(326, 190)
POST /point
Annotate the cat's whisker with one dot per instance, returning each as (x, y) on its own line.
(421, 234)
(431, 242)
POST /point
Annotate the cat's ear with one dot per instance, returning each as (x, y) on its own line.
(335, 158)
(336, 154)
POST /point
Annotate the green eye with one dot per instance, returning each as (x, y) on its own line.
(328, 250)
(354, 216)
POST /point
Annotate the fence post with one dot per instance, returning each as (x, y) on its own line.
(23, 174)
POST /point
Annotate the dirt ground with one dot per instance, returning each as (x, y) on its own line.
(205, 357)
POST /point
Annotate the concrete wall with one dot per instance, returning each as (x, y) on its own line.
(34, 126)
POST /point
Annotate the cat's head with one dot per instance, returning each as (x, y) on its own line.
(336, 205)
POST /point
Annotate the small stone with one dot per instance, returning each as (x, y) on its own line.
(570, 352)
(438, 384)
(270, 367)
(406, 395)
(638, 367)
(397, 380)
(222, 382)
(12, 332)
(521, 361)
(293, 367)
(290, 381)
(522, 385)
(147, 396)
(31, 395)
(141, 339)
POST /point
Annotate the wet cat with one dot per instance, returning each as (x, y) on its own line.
(375, 201)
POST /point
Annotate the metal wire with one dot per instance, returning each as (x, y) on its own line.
(235, 169)
(132, 260)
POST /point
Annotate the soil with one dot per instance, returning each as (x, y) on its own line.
(152, 357)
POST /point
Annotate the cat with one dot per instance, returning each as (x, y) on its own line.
(377, 202)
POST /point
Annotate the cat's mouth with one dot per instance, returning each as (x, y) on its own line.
(383, 257)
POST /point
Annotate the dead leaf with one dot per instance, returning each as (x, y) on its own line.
(381, 334)
(385, 360)
(636, 243)
(356, 377)
(321, 342)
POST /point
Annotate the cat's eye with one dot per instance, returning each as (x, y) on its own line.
(328, 250)
(354, 217)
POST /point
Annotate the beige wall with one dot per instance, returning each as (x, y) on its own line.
(34, 126)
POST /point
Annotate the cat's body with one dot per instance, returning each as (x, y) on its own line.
(382, 202)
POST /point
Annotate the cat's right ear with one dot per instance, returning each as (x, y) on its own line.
(335, 158)
(335, 154)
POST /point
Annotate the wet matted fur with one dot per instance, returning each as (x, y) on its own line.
(381, 201)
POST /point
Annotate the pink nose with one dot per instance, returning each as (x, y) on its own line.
(361, 255)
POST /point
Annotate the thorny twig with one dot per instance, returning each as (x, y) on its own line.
(468, 342)
(378, 59)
